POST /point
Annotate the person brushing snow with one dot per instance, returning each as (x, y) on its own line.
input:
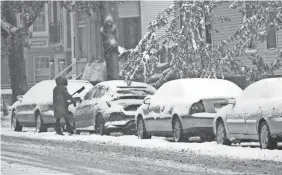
(60, 104)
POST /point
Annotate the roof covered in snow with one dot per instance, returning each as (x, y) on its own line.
(266, 88)
(43, 91)
(201, 88)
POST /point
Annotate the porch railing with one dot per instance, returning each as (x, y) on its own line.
(68, 72)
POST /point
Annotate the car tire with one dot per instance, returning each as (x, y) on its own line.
(39, 124)
(221, 137)
(100, 125)
(141, 129)
(72, 122)
(177, 130)
(15, 123)
(265, 139)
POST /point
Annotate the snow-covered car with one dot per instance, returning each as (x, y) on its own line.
(110, 107)
(256, 114)
(35, 107)
(183, 108)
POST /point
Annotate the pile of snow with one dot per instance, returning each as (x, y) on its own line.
(95, 71)
(206, 148)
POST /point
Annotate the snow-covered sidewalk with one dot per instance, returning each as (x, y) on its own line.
(206, 148)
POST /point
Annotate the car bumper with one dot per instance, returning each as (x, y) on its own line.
(123, 126)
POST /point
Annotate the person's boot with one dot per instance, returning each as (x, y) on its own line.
(58, 129)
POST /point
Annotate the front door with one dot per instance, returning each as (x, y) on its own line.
(236, 119)
(60, 64)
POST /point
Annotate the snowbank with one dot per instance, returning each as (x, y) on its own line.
(206, 148)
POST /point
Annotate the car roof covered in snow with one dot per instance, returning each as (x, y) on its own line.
(43, 91)
(265, 88)
(119, 84)
(201, 88)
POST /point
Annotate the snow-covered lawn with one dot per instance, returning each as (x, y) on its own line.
(206, 148)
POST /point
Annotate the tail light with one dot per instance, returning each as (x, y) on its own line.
(116, 116)
(197, 108)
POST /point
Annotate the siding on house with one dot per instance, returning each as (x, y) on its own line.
(129, 9)
(226, 29)
(149, 11)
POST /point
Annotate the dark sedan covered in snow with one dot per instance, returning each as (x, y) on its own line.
(110, 107)
(256, 114)
(35, 108)
(183, 108)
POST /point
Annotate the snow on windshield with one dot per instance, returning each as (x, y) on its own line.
(266, 88)
(43, 91)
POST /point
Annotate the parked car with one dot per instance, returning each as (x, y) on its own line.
(183, 108)
(35, 107)
(254, 115)
(110, 107)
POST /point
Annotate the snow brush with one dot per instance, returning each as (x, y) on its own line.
(78, 91)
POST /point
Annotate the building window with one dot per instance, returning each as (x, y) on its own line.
(129, 32)
(271, 33)
(41, 68)
(250, 13)
(68, 29)
(82, 32)
(208, 28)
(39, 24)
(55, 27)
(271, 37)
(82, 35)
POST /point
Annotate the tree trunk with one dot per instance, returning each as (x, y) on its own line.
(16, 62)
(109, 36)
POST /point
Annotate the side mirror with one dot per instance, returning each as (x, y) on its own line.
(19, 97)
(147, 100)
(231, 101)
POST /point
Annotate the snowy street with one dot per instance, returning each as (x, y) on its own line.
(27, 151)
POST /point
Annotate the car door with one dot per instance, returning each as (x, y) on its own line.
(235, 117)
(260, 100)
(83, 111)
(243, 117)
(159, 119)
(99, 105)
(25, 109)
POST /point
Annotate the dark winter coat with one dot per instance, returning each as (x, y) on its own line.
(61, 97)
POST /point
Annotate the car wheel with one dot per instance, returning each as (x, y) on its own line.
(39, 124)
(141, 129)
(99, 125)
(177, 130)
(72, 122)
(221, 135)
(265, 140)
(15, 123)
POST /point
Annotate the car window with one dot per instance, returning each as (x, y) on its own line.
(89, 95)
